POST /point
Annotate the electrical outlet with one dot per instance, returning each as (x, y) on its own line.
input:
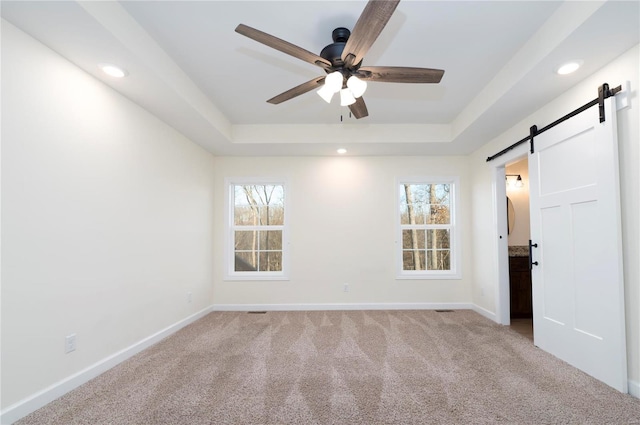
(189, 297)
(70, 343)
(345, 287)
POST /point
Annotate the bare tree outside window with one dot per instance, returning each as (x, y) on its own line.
(425, 224)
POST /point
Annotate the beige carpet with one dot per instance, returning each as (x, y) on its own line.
(351, 367)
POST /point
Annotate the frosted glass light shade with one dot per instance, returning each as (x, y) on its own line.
(333, 82)
(357, 86)
(346, 98)
(325, 93)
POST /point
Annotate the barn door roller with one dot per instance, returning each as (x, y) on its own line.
(603, 93)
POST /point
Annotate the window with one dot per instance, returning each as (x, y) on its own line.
(426, 229)
(257, 232)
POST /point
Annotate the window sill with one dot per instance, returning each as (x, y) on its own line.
(430, 276)
(252, 278)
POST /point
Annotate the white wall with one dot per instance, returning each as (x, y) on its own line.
(106, 220)
(520, 198)
(342, 218)
(624, 68)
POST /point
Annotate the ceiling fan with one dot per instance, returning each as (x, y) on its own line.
(342, 60)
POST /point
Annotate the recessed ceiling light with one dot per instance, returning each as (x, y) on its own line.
(342, 151)
(569, 67)
(113, 70)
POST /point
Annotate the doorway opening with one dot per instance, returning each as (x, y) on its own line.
(519, 233)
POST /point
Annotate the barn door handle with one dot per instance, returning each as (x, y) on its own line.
(531, 246)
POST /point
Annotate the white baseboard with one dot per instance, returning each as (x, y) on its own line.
(57, 390)
(634, 388)
(486, 313)
(342, 306)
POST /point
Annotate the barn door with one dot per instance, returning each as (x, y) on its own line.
(578, 294)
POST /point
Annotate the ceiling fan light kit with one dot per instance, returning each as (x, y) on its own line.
(333, 81)
(357, 86)
(326, 93)
(346, 98)
(332, 84)
(342, 60)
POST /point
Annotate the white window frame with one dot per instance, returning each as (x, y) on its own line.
(230, 227)
(454, 208)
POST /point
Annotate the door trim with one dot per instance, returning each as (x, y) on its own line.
(499, 192)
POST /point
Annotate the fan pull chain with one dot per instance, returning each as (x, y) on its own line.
(350, 116)
(341, 116)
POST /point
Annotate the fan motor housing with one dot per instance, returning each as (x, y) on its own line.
(333, 52)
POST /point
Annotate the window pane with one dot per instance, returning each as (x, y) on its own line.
(417, 213)
(423, 262)
(438, 260)
(245, 215)
(413, 260)
(407, 260)
(405, 218)
(438, 239)
(271, 240)
(246, 240)
(439, 214)
(258, 204)
(275, 215)
(422, 213)
(250, 240)
(411, 237)
(239, 197)
(245, 211)
(271, 215)
(420, 193)
(410, 205)
(404, 214)
(407, 239)
(440, 193)
(425, 203)
(440, 204)
(270, 261)
(245, 262)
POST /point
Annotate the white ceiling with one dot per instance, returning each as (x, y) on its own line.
(188, 66)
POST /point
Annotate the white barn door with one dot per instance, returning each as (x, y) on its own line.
(578, 293)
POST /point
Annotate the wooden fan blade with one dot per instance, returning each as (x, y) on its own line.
(400, 74)
(297, 91)
(359, 109)
(283, 46)
(370, 24)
